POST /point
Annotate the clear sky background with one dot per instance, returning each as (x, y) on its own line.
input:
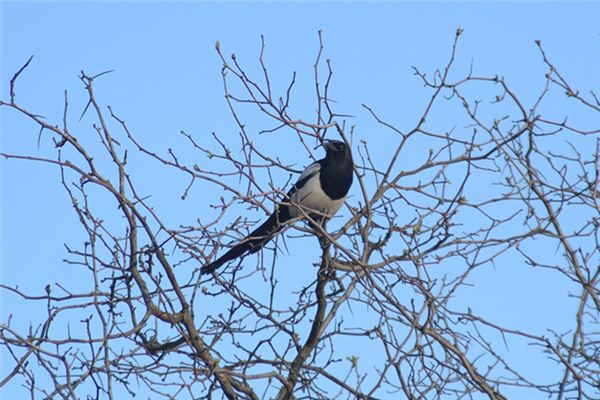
(167, 78)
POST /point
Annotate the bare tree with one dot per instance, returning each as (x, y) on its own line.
(379, 317)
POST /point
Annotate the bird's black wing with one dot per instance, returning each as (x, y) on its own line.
(309, 173)
(265, 232)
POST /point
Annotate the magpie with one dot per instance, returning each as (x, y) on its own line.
(319, 192)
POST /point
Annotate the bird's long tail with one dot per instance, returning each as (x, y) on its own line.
(252, 243)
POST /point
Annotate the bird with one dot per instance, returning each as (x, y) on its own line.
(319, 192)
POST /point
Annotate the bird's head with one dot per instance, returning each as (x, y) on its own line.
(333, 147)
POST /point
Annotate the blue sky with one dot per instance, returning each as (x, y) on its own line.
(167, 78)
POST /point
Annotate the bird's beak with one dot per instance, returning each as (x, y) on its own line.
(328, 145)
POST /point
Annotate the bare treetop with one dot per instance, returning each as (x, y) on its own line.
(377, 310)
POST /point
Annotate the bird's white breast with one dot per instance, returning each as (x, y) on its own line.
(312, 197)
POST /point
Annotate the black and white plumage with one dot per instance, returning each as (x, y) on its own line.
(319, 192)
